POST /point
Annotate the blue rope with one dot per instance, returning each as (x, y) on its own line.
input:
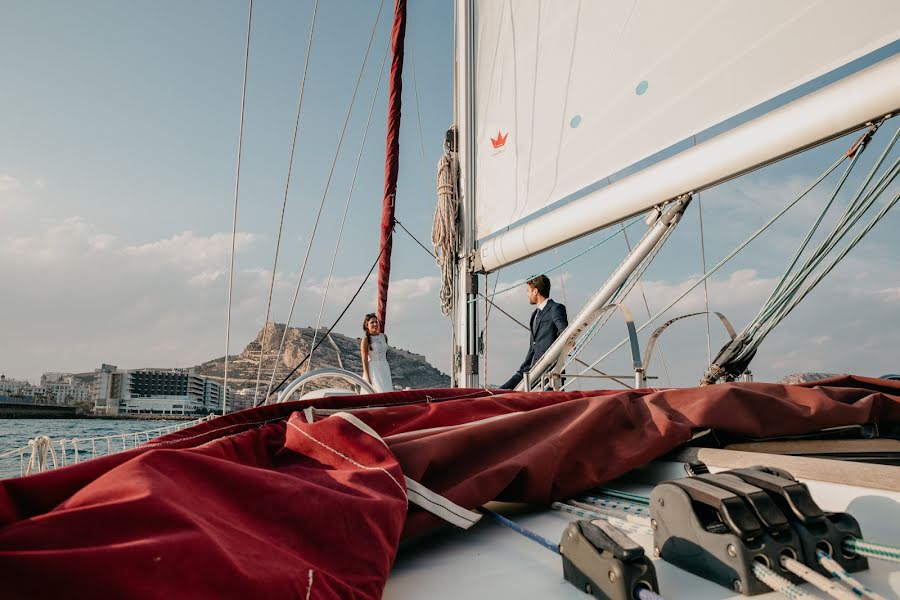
(521, 530)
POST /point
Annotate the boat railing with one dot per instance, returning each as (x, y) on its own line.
(43, 453)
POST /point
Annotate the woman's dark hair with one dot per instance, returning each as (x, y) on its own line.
(366, 320)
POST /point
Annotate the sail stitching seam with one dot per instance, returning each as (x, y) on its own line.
(348, 459)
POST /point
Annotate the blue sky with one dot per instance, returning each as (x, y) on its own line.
(117, 160)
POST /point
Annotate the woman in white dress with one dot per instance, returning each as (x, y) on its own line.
(373, 350)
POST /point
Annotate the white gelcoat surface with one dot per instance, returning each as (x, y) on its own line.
(492, 561)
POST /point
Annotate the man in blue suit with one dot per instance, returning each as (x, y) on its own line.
(547, 322)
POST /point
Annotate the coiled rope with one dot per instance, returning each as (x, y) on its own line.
(445, 225)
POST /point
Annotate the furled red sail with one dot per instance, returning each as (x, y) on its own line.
(392, 157)
(290, 500)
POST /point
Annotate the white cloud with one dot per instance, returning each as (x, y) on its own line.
(206, 277)
(64, 242)
(189, 251)
(741, 288)
(13, 195)
(889, 295)
(8, 183)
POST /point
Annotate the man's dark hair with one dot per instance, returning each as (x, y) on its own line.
(542, 283)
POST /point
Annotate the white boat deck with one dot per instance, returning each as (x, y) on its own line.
(492, 561)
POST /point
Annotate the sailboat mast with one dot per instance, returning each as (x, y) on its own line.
(391, 158)
(465, 308)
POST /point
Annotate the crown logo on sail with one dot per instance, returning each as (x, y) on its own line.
(500, 140)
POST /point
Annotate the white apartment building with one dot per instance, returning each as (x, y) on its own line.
(155, 391)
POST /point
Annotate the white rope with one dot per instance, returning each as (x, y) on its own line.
(346, 211)
(237, 185)
(444, 227)
(638, 520)
(592, 514)
(312, 236)
(623, 506)
(872, 549)
(838, 572)
(40, 447)
(780, 584)
(287, 185)
(829, 586)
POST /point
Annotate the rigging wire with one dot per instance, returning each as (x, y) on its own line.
(578, 360)
(705, 286)
(722, 262)
(336, 321)
(287, 185)
(347, 204)
(624, 290)
(237, 186)
(324, 196)
(787, 296)
(662, 356)
(412, 60)
(484, 334)
(778, 307)
(414, 238)
(567, 261)
(491, 303)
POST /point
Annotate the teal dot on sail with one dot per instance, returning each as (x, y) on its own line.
(575, 122)
(642, 87)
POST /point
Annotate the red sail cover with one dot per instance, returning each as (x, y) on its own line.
(263, 503)
(391, 157)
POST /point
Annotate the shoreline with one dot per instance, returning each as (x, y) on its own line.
(101, 417)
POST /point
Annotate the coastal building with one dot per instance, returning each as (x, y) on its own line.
(64, 388)
(10, 387)
(156, 391)
(244, 398)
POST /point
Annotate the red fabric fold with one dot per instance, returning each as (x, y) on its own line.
(248, 504)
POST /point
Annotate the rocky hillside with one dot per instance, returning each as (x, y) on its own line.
(408, 369)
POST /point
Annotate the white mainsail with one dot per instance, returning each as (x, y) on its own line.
(568, 94)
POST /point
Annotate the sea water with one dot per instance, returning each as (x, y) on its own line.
(114, 435)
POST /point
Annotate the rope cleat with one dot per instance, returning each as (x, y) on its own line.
(816, 529)
(604, 562)
(717, 527)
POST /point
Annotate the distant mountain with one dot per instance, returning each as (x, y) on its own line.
(795, 378)
(408, 369)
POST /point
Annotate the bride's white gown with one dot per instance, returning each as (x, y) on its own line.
(379, 369)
